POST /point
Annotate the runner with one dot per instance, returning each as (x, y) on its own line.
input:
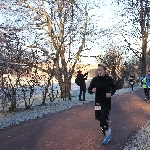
(148, 85)
(103, 86)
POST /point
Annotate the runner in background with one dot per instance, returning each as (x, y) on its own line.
(148, 85)
(144, 86)
(132, 81)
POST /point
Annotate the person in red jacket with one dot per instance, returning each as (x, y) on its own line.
(103, 86)
(82, 77)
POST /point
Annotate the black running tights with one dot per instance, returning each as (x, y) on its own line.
(104, 118)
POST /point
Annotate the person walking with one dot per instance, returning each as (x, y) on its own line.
(103, 86)
(80, 81)
(144, 86)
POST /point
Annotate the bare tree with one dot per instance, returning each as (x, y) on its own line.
(138, 12)
(10, 51)
(113, 59)
(63, 27)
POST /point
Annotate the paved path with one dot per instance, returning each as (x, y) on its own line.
(76, 129)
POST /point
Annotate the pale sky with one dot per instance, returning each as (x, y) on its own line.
(108, 19)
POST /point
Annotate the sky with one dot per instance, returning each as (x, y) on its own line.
(104, 17)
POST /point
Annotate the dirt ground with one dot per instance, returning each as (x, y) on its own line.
(76, 129)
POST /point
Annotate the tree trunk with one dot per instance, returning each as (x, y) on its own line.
(144, 48)
(13, 107)
(65, 88)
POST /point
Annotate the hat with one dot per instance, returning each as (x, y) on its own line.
(79, 72)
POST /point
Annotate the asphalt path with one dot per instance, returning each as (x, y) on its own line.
(76, 128)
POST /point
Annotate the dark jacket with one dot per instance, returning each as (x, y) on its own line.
(82, 80)
(103, 85)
